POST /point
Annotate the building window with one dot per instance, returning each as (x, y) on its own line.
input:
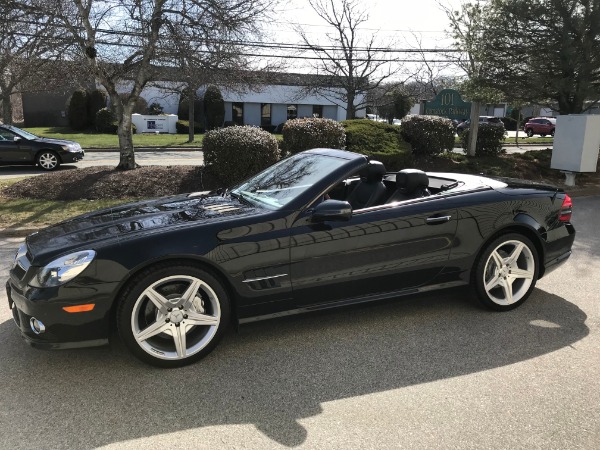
(317, 110)
(265, 115)
(237, 113)
(292, 112)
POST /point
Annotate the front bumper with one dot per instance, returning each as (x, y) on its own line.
(72, 157)
(62, 330)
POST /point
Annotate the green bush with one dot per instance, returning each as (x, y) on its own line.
(96, 101)
(155, 109)
(428, 135)
(235, 153)
(141, 105)
(78, 110)
(105, 121)
(364, 136)
(489, 139)
(183, 127)
(304, 134)
(214, 108)
(183, 111)
(393, 161)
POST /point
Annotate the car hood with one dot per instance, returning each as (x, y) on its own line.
(56, 141)
(108, 225)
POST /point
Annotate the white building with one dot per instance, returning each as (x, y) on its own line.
(266, 105)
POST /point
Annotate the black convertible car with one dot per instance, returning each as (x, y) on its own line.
(320, 229)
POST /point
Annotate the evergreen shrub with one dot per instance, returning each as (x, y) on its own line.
(428, 135)
(489, 140)
(308, 133)
(235, 153)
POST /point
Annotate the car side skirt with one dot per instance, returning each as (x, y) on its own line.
(354, 301)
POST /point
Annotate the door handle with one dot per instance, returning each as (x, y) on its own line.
(438, 219)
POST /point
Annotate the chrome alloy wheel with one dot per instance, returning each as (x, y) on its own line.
(175, 317)
(509, 272)
(48, 161)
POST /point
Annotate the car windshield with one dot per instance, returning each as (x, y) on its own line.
(19, 132)
(281, 183)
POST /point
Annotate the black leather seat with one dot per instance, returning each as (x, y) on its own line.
(370, 190)
(410, 183)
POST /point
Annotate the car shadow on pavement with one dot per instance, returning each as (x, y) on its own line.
(270, 374)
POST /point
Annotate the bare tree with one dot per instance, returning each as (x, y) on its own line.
(29, 42)
(210, 54)
(121, 40)
(429, 76)
(352, 65)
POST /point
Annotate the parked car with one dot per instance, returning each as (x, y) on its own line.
(490, 120)
(320, 229)
(19, 147)
(540, 125)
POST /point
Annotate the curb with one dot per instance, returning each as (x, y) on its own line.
(146, 149)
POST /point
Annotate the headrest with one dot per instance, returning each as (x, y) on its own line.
(409, 180)
(373, 172)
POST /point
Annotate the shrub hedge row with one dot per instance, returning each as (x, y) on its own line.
(307, 133)
(428, 135)
(233, 154)
(489, 139)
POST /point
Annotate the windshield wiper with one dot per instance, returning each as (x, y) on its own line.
(239, 196)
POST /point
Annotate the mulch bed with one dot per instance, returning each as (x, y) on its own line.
(105, 182)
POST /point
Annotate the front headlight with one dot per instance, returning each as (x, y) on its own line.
(74, 147)
(22, 251)
(63, 269)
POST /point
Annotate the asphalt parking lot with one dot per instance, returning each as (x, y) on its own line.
(424, 372)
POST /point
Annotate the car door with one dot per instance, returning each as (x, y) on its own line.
(12, 151)
(379, 250)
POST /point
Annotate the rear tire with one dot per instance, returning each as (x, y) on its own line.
(506, 272)
(173, 315)
(529, 132)
(552, 133)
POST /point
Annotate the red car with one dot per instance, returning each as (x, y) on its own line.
(541, 126)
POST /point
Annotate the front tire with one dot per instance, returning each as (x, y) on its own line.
(506, 272)
(171, 316)
(529, 132)
(48, 160)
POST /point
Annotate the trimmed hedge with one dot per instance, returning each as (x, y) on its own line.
(105, 121)
(428, 135)
(489, 139)
(393, 161)
(379, 141)
(214, 107)
(364, 136)
(235, 153)
(308, 133)
(96, 101)
(183, 127)
(78, 110)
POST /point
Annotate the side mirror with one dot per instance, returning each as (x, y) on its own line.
(17, 139)
(332, 210)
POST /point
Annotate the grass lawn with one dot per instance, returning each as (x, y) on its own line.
(89, 139)
(98, 140)
(32, 213)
